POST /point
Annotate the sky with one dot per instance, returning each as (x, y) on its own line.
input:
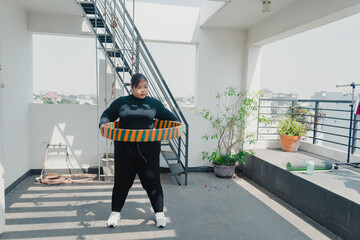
(316, 60)
(63, 63)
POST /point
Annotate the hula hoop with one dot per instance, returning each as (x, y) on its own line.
(164, 130)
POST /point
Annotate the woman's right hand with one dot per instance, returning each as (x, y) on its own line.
(102, 130)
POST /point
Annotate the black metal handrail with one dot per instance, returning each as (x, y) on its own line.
(329, 123)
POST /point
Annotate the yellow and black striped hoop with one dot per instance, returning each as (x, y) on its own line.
(164, 130)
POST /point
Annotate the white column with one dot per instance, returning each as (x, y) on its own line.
(253, 68)
(252, 81)
(106, 80)
(2, 184)
(221, 56)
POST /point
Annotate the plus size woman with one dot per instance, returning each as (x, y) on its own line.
(136, 111)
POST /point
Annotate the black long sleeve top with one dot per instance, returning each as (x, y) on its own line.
(136, 113)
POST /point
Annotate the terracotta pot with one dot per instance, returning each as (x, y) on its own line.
(289, 143)
(223, 171)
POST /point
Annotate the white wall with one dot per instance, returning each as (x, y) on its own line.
(198, 127)
(69, 124)
(253, 68)
(50, 23)
(76, 126)
(221, 62)
(16, 56)
(2, 182)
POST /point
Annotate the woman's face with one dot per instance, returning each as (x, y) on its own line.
(141, 90)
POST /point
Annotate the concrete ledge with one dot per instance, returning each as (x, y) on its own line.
(337, 213)
(317, 149)
(328, 152)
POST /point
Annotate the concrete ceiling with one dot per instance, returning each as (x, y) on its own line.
(246, 14)
(69, 6)
(51, 6)
(243, 14)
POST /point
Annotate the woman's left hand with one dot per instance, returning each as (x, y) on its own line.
(102, 130)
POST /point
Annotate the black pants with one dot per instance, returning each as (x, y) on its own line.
(143, 159)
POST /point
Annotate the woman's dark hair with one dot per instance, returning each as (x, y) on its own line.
(136, 78)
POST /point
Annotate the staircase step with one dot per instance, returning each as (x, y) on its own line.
(169, 155)
(105, 38)
(97, 22)
(115, 53)
(122, 69)
(165, 142)
(88, 7)
(176, 168)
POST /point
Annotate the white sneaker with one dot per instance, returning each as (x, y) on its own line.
(113, 219)
(160, 219)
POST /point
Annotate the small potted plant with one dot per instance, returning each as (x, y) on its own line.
(233, 112)
(292, 127)
(225, 164)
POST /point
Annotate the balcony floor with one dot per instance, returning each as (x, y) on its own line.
(208, 208)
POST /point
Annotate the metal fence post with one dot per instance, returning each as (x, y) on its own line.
(316, 119)
(292, 109)
(179, 149)
(258, 117)
(353, 140)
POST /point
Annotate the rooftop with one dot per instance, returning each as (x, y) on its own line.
(228, 36)
(208, 208)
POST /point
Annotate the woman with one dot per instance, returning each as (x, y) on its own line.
(136, 111)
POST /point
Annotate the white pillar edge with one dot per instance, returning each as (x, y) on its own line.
(2, 180)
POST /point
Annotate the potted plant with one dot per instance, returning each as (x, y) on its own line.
(292, 127)
(225, 164)
(230, 122)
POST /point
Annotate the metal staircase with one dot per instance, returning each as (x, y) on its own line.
(126, 52)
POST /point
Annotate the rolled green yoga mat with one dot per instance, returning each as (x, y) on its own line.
(301, 166)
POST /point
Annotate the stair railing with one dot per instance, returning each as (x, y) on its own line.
(125, 35)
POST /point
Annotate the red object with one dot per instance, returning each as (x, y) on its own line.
(358, 110)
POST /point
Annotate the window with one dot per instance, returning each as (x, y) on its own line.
(64, 69)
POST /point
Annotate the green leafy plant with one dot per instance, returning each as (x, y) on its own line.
(227, 159)
(230, 122)
(47, 101)
(294, 123)
(292, 127)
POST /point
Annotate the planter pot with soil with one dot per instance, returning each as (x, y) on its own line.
(289, 143)
(223, 171)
